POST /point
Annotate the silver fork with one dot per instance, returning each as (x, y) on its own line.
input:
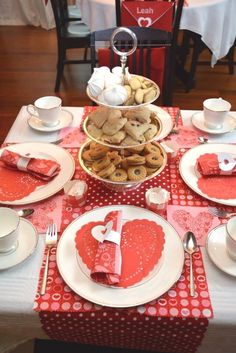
(220, 213)
(50, 241)
(175, 129)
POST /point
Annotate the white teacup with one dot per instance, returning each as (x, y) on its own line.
(47, 109)
(231, 238)
(9, 230)
(215, 111)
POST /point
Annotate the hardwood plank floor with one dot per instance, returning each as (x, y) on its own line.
(28, 67)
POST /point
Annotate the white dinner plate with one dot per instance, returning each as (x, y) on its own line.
(216, 249)
(47, 151)
(65, 119)
(187, 167)
(167, 123)
(160, 282)
(26, 244)
(228, 125)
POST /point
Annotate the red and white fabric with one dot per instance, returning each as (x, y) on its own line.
(44, 169)
(216, 164)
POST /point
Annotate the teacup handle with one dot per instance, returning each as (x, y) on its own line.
(32, 110)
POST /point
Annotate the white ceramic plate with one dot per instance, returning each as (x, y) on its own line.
(47, 151)
(65, 120)
(167, 123)
(228, 125)
(27, 242)
(160, 282)
(190, 176)
(216, 249)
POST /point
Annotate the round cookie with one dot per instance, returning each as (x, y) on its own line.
(152, 148)
(119, 175)
(137, 173)
(100, 164)
(99, 152)
(105, 173)
(153, 160)
(150, 171)
(135, 160)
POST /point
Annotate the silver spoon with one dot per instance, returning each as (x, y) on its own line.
(190, 246)
(25, 212)
(202, 139)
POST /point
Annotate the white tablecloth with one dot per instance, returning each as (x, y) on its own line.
(19, 322)
(214, 20)
(27, 12)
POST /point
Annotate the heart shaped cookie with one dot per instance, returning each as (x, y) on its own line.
(136, 130)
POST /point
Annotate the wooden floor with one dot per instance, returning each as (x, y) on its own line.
(28, 67)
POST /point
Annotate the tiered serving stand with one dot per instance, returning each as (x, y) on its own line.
(125, 185)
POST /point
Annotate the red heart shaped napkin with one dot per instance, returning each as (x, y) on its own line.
(216, 164)
(44, 169)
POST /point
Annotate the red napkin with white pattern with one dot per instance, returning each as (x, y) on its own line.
(44, 169)
(107, 263)
(215, 164)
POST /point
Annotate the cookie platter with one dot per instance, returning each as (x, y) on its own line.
(122, 151)
(122, 128)
(137, 91)
(122, 169)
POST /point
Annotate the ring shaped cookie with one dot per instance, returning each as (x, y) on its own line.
(154, 160)
(101, 164)
(137, 173)
(119, 175)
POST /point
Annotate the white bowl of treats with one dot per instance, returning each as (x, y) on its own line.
(112, 89)
(122, 169)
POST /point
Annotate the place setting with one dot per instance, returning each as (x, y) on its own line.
(31, 172)
(221, 246)
(128, 281)
(47, 114)
(18, 238)
(215, 117)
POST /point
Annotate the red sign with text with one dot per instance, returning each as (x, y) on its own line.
(156, 14)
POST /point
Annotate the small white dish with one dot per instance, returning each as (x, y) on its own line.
(216, 248)
(27, 242)
(65, 120)
(228, 125)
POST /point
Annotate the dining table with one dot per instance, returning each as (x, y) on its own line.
(20, 13)
(172, 322)
(213, 20)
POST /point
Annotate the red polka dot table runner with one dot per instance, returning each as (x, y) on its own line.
(174, 322)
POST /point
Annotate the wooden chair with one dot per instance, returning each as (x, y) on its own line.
(151, 59)
(66, 40)
(172, 17)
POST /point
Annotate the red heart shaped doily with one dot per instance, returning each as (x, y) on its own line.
(14, 184)
(142, 243)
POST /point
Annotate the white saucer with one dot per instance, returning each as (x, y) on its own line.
(65, 120)
(228, 125)
(215, 246)
(27, 242)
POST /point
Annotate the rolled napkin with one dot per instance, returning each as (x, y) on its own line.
(44, 169)
(210, 164)
(107, 263)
